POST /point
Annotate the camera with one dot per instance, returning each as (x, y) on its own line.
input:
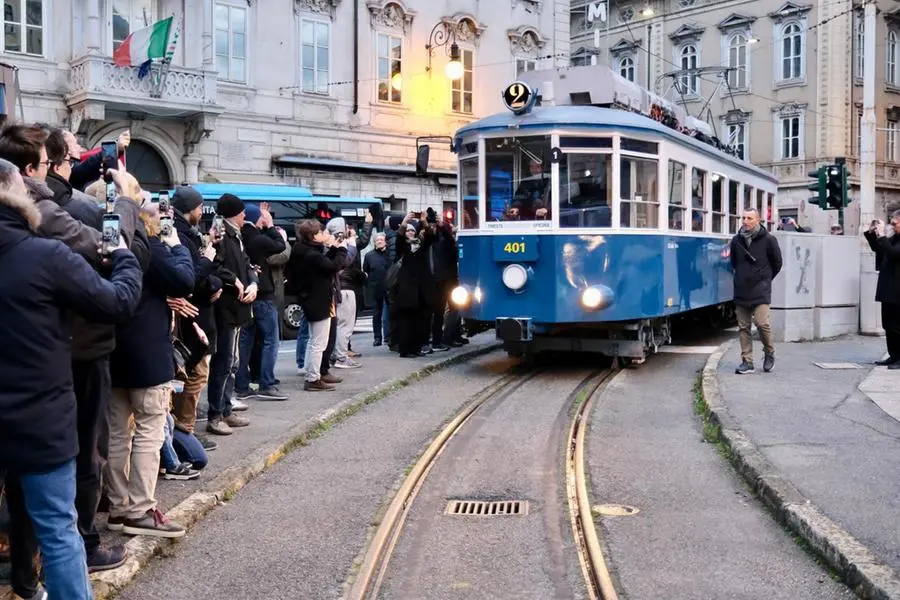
(430, 216)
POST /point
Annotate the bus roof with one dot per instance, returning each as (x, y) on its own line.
(252, 191)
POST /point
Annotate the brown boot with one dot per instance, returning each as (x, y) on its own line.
(318, 386)
(329, 378)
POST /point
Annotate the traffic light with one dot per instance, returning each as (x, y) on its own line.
(836, 194)
(818, 188)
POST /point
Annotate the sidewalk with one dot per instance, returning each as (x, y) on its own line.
(819, 438)
(276, 428)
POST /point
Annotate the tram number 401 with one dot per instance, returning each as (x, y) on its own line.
(514, 248)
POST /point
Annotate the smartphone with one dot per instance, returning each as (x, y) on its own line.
(218, 224)
(109, 153)
(204, 241)
(110, 196)
(163, 203)
(166, 224)
(112, 231)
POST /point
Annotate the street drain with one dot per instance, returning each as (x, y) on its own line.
(614, 510)
(477, 508)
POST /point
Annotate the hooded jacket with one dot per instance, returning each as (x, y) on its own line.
(755, 266)
(233, 263)
(206, 283)
(41, 280)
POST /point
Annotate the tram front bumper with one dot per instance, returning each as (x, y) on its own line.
(514, 329)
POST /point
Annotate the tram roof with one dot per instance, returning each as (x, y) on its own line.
(598, 119)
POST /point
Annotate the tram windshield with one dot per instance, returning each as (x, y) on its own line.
(519, 178)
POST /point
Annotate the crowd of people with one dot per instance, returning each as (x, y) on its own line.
(109, 346)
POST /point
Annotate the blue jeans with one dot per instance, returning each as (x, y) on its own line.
(168, 458)
(50, 501)
(265, 323)
(381, 326)
(302, 340)
(222, 367)
(181, 447)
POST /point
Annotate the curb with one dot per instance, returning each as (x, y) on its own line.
(193, 508)
(858, 567)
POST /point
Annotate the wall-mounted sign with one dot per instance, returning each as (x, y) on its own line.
(597, 11)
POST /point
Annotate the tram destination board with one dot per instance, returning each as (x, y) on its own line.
(515, 248)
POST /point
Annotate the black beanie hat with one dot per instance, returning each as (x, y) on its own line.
(229, 206)
(186, 199)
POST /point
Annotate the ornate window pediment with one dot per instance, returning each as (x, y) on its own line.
(687, 33)
(525, 40)
(789, 109)
(893, 16)
(585, 52)
(467, 27)
(737, 116)
(391, 14)
(735, 21)
(624, 46)
(530, 5)
(319, 7)
(790, 10)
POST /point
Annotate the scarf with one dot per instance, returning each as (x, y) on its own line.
(749, 234)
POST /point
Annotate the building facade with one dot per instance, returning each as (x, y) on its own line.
(329, 94)
(791, 96)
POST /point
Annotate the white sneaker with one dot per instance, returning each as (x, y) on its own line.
(347, 363)
(238, 406)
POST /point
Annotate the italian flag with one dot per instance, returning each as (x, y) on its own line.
(145, 44)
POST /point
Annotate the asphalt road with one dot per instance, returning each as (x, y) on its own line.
(699, 532)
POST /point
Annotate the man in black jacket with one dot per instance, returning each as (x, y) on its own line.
(756, 261)
(233, 311)
(261, 241)
(38, 411)
(188, 207)
(887, 261)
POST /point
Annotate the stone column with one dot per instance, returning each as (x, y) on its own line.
(93, 37)
(191, 167)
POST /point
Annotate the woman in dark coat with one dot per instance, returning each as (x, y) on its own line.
(414, 295)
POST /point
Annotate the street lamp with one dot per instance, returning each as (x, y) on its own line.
(442, 35)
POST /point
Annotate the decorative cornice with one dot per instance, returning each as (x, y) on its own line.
(467, 27)
(535, 5)
(687, 32)
(525, 39)
(585, 51)
(789, 10)
(391, 14)
(736, 116)
(789, 109)
(736, 21)
(623, 46)
(320, 7)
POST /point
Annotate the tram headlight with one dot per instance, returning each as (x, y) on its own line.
(515, 277)
(459, 296)
(596, 298)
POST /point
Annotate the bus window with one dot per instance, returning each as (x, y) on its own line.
(468, 190)
(586, 190)
(519, 178)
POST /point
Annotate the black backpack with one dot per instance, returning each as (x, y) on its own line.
(392, 279)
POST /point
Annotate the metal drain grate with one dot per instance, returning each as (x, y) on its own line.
(478, 508)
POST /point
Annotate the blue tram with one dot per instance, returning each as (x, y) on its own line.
(592, 215)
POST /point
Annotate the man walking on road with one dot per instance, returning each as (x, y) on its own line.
(756, 261)
(887, 261)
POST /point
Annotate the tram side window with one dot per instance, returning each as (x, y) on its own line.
(586, 191)
(748, 199)
(639, 201)
(676, 196)
(735, 214)
(719, 217)
(468, 190)
(770, 212)
(519, 178)
(698, 200)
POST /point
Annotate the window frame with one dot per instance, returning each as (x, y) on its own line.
(859, 47)
(378, 81)
(567, 153)
(462, 91)
(690, 83)
(780, 139)
(525, 61)
(316, 70)
(619, 156)
(892, 45)
(892, 129)
(744, 68)
(621, 66)
(670, 185)
(24, 28)
(110, 42)
(782, 58)
(246, 10)
(744, 138)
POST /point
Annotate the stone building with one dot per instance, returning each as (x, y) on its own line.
(330, 94)
(792, 99)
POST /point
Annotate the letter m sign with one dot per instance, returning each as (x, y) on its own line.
(596, 11)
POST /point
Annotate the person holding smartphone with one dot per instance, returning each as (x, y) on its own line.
(887, 291)
(38, 409)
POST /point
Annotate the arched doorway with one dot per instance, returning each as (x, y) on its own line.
(146, 164)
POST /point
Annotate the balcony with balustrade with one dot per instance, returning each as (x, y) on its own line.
(99, 89)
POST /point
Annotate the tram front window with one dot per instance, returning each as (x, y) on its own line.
(519, 178)
(585, 190)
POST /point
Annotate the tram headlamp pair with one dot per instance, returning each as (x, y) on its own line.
(461, 298)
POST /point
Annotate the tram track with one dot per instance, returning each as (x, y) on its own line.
(579, 402)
